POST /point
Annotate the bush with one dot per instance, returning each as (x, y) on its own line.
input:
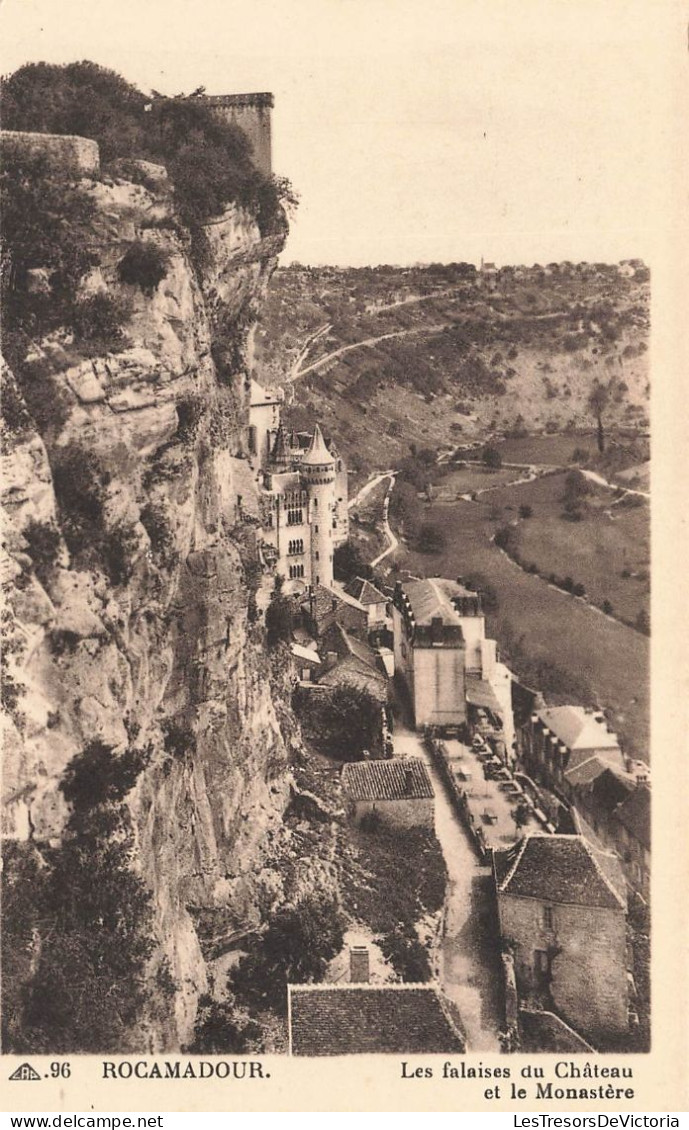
(406, 954)
(43, 547)
(118, 547)
(144, 264)
(156, 522)
(98, 775)
(579, 590)
(492, 458)
(342, 723)
(296, 948)
(98, 320)
(220, 1029)
(431, 539)
(607, 607)
(178, 739)
(525, 511)
(348, 563)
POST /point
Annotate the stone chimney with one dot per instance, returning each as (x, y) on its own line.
(358, 965)
(437, 629)
(408, 780)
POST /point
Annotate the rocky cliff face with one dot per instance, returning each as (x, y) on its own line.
(164, 656)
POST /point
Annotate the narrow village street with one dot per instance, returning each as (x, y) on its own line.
(470, 969)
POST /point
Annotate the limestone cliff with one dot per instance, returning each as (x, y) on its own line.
(164, 656)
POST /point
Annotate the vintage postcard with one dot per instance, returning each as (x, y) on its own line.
(343, 553)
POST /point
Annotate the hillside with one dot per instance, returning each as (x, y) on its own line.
(440, 356)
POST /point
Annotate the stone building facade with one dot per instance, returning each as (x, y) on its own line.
(303, 483)
(562, 911)
(398, 792)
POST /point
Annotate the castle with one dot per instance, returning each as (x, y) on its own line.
(303, 483)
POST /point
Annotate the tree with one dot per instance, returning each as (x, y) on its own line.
(431, 538)
(525, 511)
(350, 722)
(279, 616)
(296, 948)
(576, 490)
(492, 457)
(598, 400)
(348, 563)
(220, 1030)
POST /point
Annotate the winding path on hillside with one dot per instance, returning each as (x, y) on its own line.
(297, 373)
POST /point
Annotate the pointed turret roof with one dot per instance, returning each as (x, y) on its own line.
(317, 453)
(279, 456)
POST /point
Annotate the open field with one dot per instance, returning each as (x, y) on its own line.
(608, 551)
(465, 480)
(541, 628)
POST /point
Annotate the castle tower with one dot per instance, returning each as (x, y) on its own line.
(318, 474)
(251, 112)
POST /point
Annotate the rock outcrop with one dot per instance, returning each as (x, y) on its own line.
(160, 654)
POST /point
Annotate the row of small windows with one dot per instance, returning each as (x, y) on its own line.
(296, 546)
(296, 571)
(295, 517)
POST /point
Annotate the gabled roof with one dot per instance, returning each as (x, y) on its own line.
(401, 778)
(634, 814)
(366, 593)
(582, 770)
(578, 728)
(356, 1019)
(318, 452)
(610, 789)
(428, 601)
(561, 869)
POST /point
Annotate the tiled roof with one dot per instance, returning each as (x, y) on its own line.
(355, 1019)
(584, 770)
(428, 601)
(564, 869)
(401, 778)
(578, 728)
(634, 814)
(365, 592)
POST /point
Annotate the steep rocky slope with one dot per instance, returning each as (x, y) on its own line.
(155, 649)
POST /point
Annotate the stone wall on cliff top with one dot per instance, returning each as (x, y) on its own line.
(172, 644)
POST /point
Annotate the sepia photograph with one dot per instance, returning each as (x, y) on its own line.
(326, 545)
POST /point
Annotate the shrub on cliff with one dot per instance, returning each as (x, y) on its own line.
(98, 775)
(144, 264)
(43, 547)
(296, 948)
(78, 934)
(221, 1029)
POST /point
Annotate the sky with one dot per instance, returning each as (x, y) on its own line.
(418, 130)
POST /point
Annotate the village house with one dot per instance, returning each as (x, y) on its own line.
(347, 660)
(353, 1019)
(631, 837)
(429, 649)
(398, 792)
(567, 747)
(321, 608)
(374, 601)
(562, 911)
(451, 669)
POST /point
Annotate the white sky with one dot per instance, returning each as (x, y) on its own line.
(418, 130)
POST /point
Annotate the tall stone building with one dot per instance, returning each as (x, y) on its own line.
(304, 494)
